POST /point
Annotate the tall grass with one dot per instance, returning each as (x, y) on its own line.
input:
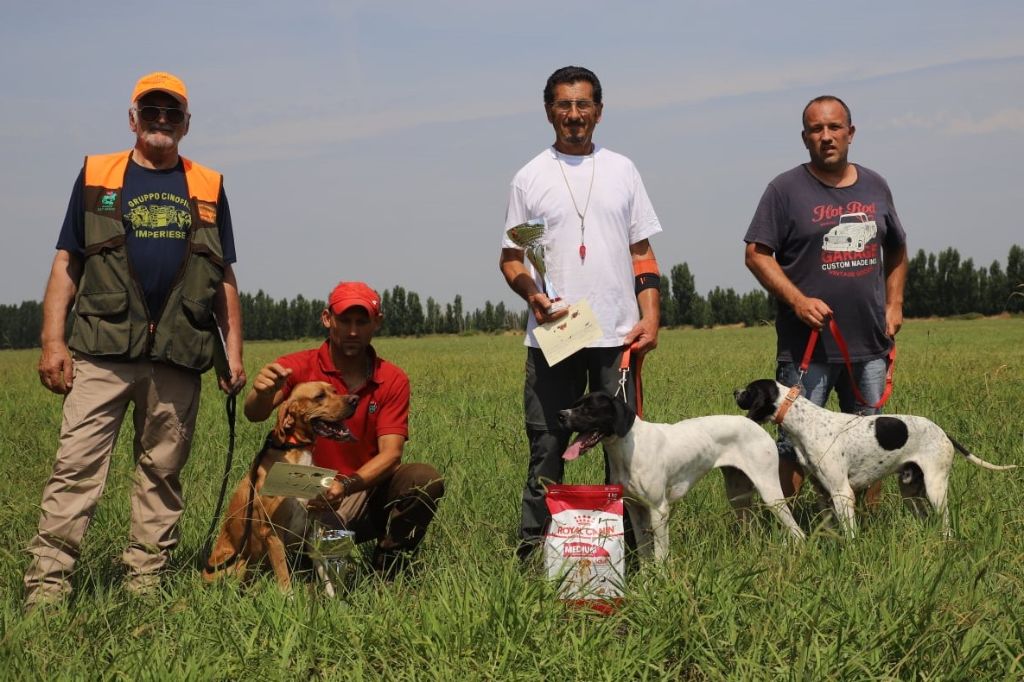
(896, 603)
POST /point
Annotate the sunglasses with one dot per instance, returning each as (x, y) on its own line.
(151, 114)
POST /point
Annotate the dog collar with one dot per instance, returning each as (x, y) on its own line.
(787, 402)
(290, 444)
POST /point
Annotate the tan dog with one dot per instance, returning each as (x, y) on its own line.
(259, 527)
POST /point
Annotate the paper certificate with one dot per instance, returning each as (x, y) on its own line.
(296, 480)
(566, 335)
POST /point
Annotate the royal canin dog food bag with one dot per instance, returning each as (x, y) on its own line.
(584, 549)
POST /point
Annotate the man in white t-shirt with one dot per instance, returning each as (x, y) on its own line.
(598, 220)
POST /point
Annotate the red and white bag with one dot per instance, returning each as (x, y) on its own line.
(584, 548)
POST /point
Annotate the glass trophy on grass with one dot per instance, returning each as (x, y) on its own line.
(529, 236)
(336, 558)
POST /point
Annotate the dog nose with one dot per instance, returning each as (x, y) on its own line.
(351, 399)
(563, 417)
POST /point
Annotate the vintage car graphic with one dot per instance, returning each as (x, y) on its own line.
(852, 233)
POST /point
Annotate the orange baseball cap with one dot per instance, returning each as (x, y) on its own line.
(348, 294)
(162, 81)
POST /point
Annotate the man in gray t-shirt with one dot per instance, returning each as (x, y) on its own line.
(826, 241)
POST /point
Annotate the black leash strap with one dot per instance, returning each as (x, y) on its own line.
(250, 502)
(229, 406)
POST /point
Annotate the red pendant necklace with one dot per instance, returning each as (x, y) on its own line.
(581, 214)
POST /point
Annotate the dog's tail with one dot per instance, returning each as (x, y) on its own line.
(978, 461)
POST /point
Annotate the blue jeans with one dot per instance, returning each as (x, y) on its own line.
(821, 378)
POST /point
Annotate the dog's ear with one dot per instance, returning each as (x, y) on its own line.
(743, 397)
(624, 417)
(759, 399)
(285, 421)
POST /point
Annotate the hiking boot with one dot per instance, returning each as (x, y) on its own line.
(388, 563)
(44, 601)
(528, 550)
(142, 584)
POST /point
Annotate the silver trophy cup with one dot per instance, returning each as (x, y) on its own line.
(529, 236)
(335, 557)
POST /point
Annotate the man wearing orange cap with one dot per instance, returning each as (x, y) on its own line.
(374, 493)
(145, 257)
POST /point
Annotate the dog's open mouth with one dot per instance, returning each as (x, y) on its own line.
(333, 430)
(583, 442)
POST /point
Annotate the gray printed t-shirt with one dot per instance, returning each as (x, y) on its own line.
(829, 242)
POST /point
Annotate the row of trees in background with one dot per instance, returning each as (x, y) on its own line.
(945, 285)
(404, 315)
(940, 285)
(682, 305)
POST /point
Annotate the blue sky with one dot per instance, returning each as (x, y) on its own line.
(376, 141)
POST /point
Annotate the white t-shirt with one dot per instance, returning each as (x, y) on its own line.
(619, 215)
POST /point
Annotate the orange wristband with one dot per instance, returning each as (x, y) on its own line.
(648, 266)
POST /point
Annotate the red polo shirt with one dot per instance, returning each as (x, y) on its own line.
(383, 407)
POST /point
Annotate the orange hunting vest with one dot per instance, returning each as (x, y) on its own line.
(110, 317)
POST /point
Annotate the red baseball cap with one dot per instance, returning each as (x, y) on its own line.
(164, 82)
(348, 294)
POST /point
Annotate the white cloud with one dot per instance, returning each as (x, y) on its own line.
(1004, 120)
(1008, 120)
(294, 135)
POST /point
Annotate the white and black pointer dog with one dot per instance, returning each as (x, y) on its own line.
(657, 464)
(847, 452)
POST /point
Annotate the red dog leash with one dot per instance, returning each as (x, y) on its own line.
(841, 343)
(624, 377)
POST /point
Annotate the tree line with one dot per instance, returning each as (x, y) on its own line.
(404, 315)
(941, 285)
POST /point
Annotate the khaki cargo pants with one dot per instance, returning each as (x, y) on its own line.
(166, 402)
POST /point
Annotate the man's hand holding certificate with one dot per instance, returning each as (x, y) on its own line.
(566, 335)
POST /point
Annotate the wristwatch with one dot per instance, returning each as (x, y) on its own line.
(348, 483)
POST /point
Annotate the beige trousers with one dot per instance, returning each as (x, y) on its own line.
(166, 402)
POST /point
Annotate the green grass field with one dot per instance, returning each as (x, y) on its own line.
(896, 603)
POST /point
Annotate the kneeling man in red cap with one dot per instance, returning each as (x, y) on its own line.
(375, 494)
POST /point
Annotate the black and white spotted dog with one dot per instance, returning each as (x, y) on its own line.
(847, 452)
(657, 464)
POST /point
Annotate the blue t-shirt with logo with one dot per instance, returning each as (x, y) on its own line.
(157, 222)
